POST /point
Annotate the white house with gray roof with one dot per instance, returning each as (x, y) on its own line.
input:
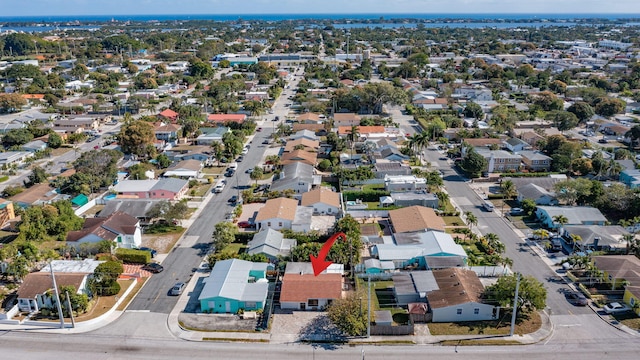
(298, 177)
(421, 250)
(271, 243)
(537, 193)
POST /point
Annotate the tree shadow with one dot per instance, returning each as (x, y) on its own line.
(322, 333)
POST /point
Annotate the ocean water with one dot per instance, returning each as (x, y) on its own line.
(281, 17)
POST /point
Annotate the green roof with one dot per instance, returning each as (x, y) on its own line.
(80, 200)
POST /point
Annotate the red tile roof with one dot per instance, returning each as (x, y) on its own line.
(169, 114)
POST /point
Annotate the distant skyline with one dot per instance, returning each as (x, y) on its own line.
(252, 7)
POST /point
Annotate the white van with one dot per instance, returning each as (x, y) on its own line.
(487, 205)
(233, 165)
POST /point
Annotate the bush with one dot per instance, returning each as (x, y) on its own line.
(111, 289)
(243, 237)
(324, 165)
(133, 256)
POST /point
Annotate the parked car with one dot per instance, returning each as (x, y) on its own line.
(240, 158)
(229, 217)
(177, 289)
(576, 298)
(259, 129)
(516, 211)
(233, 199)
(245, 151)
(615, 308)
(603, 141)
(265, 142)
(153, 268)
(245, 224)
(152, 251)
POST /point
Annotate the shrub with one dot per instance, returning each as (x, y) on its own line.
(133, 256)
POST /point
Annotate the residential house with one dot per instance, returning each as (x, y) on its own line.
(459, 297)
(189, 169)
(316, 129)
(270, 243)
(35, 292)
(169, 115)
(201, 153)
(346, 119)
(37, 195)
(596, 237)
(138, 208)
(84, 123)
(535, 161)
(166, 132)
(296, 176)
(365, 132)
(164, 188)
(576, 215)
(277, 214)
(483, 142)
(302, 290)
(411, 198)
(500, 160)
(227, 118)
(430, 103)
(413, 286)
(306, 134)
(531, 138)
(397, 183)
(629, 177)
(618, 270)
(305, 157)
(14, 158)
(7, 212)
(516, 145)
(234, 285)
(302, 144)
(632, 297)
(211, 135)
(323, 201)
(34, 146)
(310, 118)
(473, 93)
(422, 250)
(120, 228)
(375, 266)
(389, 153)
(303, 220)
(534, 192)
(415, 218)
(383, 167)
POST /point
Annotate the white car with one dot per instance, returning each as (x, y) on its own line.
(615, 308)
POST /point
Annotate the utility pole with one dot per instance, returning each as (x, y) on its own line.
(515, 306)
(73, 321)
(368, 307)
(55, 289)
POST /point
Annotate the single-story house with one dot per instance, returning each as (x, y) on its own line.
(16, 158)
(375, 266)
(302, 144)
(211, 135)
(37, 195)
(422, 250)
(277, 214)
(302, 290)
(459, 297)
(305, 157)
(226, 118)
(597, 237)
(166, 132)
(632, 297)
(121, 228)
(399, 183)
(296, 176)
(169, 115)
(164, 188)
(411, 198)
(34, 146)
(189, 169)
(35, 291)
(516, 145)
(415, 218)
(270, 243)
(323, 201)
(576, 215)
(233, 285)
(534, 192)
(346, 119)
(618, 270)
(413, 286)
(304, 134)
(138, 208)
(383, 167)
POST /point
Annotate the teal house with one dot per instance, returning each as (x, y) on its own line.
(233, 285)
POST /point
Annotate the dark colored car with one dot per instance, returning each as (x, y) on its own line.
(153, 268)
(152, 251)
(233, 199)
(230, 173)
(603, 141)
(576, 298)
(259, 129)
(244, 224)
(239, 159)
(177, 289)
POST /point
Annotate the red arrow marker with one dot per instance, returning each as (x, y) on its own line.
(319, 263)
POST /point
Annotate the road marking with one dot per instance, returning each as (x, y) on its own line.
(569, 311)
(138, 311)
(157, 296)
(568, 325)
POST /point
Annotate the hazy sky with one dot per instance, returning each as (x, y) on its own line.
(143, 7)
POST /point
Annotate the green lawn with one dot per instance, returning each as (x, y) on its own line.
(235, 249)
(453, 220)
(372, 187)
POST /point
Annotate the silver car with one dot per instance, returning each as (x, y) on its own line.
(177, 289)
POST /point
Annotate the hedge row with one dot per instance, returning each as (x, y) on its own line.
(365, 195)
(133, 256)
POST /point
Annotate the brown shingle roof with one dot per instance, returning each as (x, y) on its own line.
(321, 195)
(282, 208)
(300, 288)
(300, 155)
(34, 193)
(40, 282)
(194, 165)
(483, 141)
(311, 127)
(415, 218)
(307, 143)
(106, 228)
(344, 130)
(456, 286)
(309, 116)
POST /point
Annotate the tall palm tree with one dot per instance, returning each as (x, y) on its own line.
(629, 239)
(508, 189)
(575, 239)
(422, 141)
(353, 136)
(471, 219)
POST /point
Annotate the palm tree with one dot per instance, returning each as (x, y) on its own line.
(421, 142)
(471, 219)
(541, 233)
(353, 136)
(508, 189)
(629, 239)
(218, 150)
(274, 160)
(575, 239)
(560, 220)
